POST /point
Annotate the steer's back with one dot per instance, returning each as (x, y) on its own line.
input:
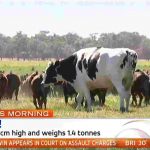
(96, 66)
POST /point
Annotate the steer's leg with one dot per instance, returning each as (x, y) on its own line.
(122, 108)
(134, 100)
(45, 102)
(141, 97)
(35, 102)
(40, 102)
(127, 98)
(79, 100)
(16, 93)
(123, 94)
(66, 99)
(103, 96)
(92, 98)
(146, 94)
(86, 93)
(88, 98)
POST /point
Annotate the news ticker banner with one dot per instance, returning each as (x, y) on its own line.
(37, 128)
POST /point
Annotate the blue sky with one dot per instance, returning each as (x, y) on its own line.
(77, 16)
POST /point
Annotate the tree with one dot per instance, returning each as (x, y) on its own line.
(44, 45)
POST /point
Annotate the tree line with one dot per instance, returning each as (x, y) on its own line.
(44, 45)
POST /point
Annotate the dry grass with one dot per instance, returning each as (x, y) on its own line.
(111, 110)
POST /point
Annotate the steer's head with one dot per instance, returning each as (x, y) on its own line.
(129, 60)
(133, 58)
(50, 74)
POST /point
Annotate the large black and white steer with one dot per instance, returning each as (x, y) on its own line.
(96, 68)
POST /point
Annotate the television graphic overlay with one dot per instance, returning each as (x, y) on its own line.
(29, 132)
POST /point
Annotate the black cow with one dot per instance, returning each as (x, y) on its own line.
(101, 93)
(69, 91)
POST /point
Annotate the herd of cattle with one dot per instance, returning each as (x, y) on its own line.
(85, 74)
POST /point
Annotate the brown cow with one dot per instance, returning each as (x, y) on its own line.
(140, 87)
(39, 92)
(3, 84)
(12, 86)
(26, 84)
(30, 78)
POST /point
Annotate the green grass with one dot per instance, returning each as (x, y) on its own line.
(111, 110)
(143, 65)
(22, 67)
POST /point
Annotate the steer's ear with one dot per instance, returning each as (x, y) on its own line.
(50, 63)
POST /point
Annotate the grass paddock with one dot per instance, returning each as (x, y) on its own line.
(111, 110)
